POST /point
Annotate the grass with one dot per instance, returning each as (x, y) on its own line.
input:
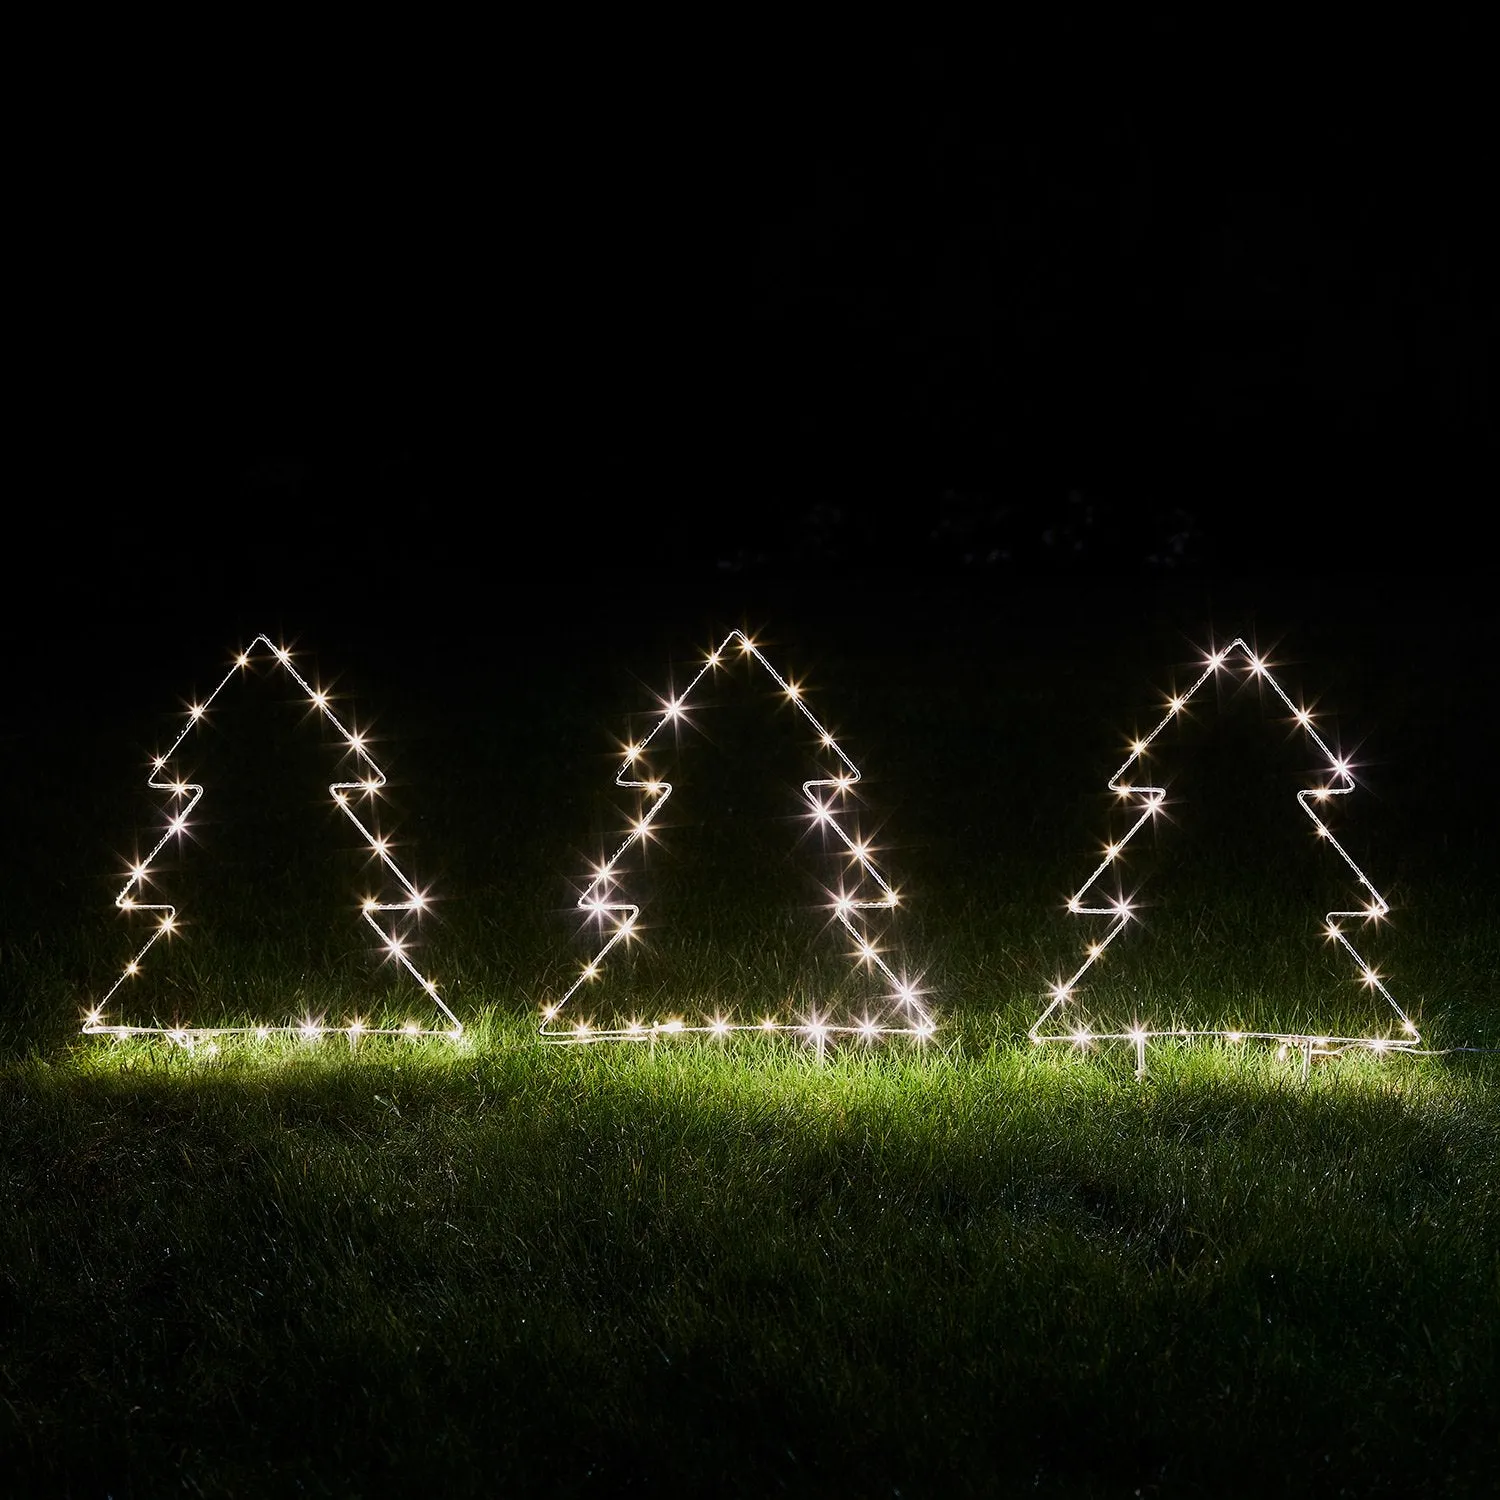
(969, 1267)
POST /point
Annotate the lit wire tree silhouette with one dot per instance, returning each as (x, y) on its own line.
(616, 917)
(184, 797)
(1061, 1021)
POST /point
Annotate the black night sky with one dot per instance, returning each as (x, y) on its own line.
(468, 330)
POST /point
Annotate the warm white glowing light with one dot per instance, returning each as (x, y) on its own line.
(823, 796)
(370, 779)
(1338, 782)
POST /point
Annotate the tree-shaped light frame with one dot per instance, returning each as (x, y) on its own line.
(185, 796)
(825, 798)
(1149, 801)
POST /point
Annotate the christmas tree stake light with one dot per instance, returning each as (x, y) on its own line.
(907, 1016)
(1149, 801)
(185, 796)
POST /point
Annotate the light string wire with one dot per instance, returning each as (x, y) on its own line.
(186, 795)
(1149, 800)
(824, 796)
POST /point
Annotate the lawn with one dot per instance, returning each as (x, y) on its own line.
(955, 1265)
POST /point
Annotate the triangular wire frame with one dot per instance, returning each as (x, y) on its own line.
(906, 1014)
(185, 797)
(1149, 800)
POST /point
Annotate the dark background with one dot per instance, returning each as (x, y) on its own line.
(447, 336)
